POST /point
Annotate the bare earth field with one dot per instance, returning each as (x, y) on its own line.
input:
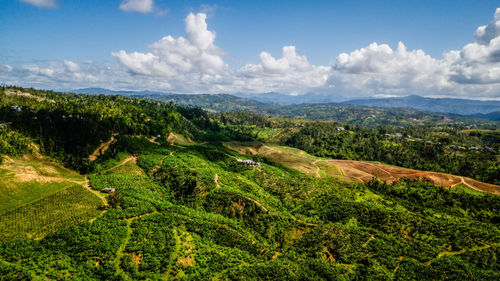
(352, 171)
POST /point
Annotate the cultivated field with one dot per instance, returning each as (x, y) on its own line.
(72, 205)
(38, 196)
(28, 178)
(348, 170)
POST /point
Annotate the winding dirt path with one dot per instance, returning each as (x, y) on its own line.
(256, 202)
(153, 140)
(316, 172)
(101, 149)
(216, 180)
(96, 193)
(120, 252)
(132, 158)
(463, 182)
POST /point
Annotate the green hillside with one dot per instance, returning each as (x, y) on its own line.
(186, 207)
(215, 102)
(196, 213)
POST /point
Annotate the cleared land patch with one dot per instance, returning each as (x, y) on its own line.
(174, 139)
(348, 170)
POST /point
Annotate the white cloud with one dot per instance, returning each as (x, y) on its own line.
(478, 62)
(170, 57)
(291, 73)
(41, 3)
(472, 72)
(71, 66)
(5, 68)
(141, 6)
(484, 34)
(378, 69)
(195, 64)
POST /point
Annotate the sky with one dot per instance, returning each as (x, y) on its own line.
(346, 49)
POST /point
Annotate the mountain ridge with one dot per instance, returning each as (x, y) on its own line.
(441, 105)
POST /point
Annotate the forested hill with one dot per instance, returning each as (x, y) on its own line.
(214, 102)
(69, 127)
(493, 116)
(315, 107)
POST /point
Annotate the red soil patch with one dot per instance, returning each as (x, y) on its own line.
(355, 170)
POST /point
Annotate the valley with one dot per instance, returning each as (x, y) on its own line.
(181, 202)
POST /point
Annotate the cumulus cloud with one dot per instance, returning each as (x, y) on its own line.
(170, 57)
(290, 73)
(41, 3)
(71, 66)
(478, 62)
(484, 34)
(473, 71)
(378, 69)
(141, 6)
(194, 63)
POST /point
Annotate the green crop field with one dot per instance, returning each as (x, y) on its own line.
(57, 211)
(27, 179)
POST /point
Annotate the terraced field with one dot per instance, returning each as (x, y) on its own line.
(352, 171)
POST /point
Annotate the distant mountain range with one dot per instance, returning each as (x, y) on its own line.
(102, 91)
(442, 105)
(493, 116)
(273, 102)
(283, 99)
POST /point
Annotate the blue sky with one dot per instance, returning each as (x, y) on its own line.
(41, 38)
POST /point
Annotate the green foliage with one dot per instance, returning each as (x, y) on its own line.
(13, 143)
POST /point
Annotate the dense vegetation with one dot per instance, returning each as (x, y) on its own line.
(191, 211)
(196, 214)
